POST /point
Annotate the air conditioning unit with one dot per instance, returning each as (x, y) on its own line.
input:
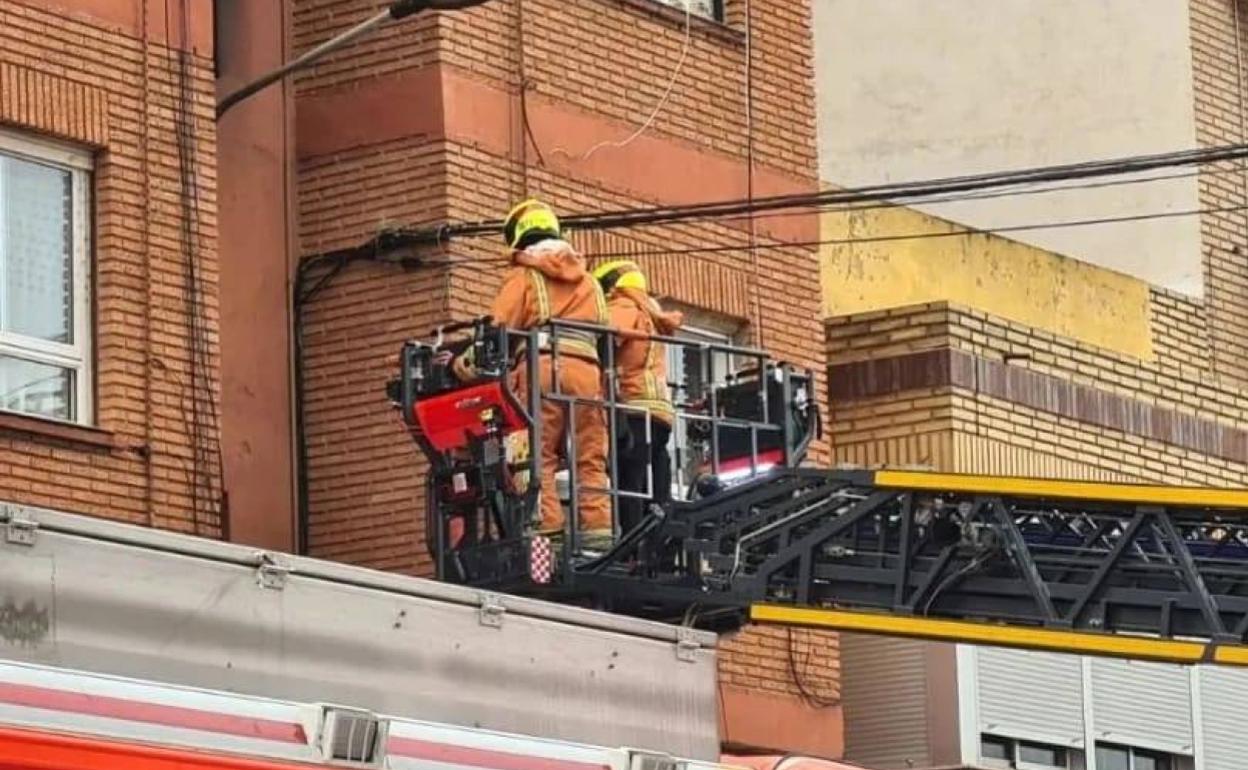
(352, 737)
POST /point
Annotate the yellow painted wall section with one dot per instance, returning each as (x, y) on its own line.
(996, 275)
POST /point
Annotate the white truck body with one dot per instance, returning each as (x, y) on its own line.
(49, 714)
(102, 598)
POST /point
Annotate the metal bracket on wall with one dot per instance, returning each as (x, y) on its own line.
(687, 646)
(491, 611)
(270, 573)
(18, 528)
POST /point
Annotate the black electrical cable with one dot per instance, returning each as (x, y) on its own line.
(1019, 191)
(813, 699)
(451, 261)
(186, 227)
(923, 236)
(909, 190)
(425, 236)
(303, 294)
(207, 471)
(976, 562)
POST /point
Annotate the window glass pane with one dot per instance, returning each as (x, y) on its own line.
(1146, 760)
(705, 8)
(1112, 758)
(995, 748)
(1039, 754)
(35, 388)
(36, 251)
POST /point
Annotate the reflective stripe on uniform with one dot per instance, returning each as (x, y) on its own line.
(661, 408)
(652, 391)
(537, 282)
(572, 347)
(600, 301)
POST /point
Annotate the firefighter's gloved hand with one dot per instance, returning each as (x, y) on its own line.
(464, 366)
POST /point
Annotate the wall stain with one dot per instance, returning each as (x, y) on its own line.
(26, 625)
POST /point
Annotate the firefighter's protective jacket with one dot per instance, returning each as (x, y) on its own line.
(640, 363)
(549, 280)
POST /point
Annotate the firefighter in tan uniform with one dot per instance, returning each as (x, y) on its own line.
(641, 373)
(548, 280)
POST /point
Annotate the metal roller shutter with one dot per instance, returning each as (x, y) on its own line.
(1143, 704)
(1030, 695)
(884, 685)
(1224, 717)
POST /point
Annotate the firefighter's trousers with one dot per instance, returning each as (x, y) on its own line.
(582, 379)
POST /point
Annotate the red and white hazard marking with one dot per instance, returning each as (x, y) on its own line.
(541, 560)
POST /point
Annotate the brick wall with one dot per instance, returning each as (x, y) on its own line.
(957, 389)
(1218, 62)
(437, 133)
(612, 58)
(95, 84)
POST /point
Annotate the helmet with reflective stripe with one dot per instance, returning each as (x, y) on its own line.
(529, 222)
(623, 273)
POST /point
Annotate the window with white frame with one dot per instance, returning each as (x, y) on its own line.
(997, 751)
(45, 361)
(710, 9)
(1113, 757)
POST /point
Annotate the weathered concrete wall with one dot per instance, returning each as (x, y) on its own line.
(912, 90)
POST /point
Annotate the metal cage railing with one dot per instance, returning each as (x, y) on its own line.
(747, 421)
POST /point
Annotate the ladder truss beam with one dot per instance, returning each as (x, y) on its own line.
(1099, 559)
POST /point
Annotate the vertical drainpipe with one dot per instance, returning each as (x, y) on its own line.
(294, 378)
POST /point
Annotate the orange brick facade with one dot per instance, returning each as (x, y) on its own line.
(88, 74)
(454, 119)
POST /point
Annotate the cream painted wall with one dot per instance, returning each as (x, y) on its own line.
(1065, 296)
(915, 89)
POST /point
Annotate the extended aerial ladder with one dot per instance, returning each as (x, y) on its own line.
(1138, 571)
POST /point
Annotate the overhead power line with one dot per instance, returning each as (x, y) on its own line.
(909, 190)
(451, 261)
(1008, 192)
(408, 237)
(964, 231)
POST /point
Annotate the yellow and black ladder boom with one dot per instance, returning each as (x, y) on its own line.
(1131, 570)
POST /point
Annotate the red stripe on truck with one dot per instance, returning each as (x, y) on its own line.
(30, 750)
(150, 713)
(412, 748)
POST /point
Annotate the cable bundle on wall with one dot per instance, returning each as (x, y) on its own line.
(204, 420)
